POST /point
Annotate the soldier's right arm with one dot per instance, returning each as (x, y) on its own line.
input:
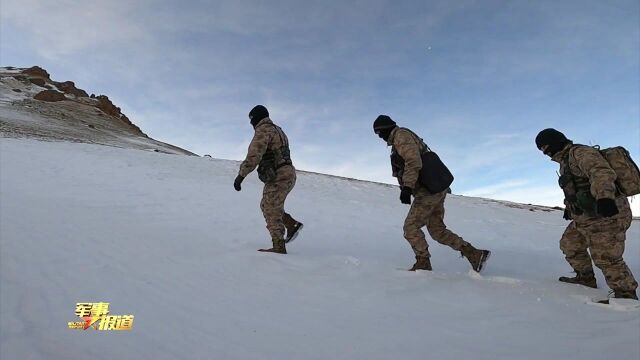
(257, 148)
(409, 150)
(601, 176)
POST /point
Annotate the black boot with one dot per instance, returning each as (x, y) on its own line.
(293, 231)
(587, 279)
(278, 247)
(293, 227)
(422, 263)
(477, 258)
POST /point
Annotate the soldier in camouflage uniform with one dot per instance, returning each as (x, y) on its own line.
(269, 151)
(600, 215)
(427, 208)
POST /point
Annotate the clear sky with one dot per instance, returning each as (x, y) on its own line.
(476, 79)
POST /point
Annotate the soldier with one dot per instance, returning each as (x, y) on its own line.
(269, 151)
(427, 208)
(600, 215)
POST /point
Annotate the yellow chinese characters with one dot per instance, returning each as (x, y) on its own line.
(96, 316)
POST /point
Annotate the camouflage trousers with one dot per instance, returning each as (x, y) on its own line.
(274, 195)
(605, 240)
(428, 210)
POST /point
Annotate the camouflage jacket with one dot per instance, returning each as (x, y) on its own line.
(588, 172)
(405, 144)
(267, 137)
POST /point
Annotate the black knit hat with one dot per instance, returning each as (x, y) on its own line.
(383, 122)
(258, 113)
(554, 139)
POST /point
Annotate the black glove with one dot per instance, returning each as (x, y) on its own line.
(405, 195)
(237, 182)
(606, 207)
(567, 214)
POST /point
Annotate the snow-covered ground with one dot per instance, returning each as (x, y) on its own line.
(167, 239)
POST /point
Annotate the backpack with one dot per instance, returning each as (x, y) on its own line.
(628, 175)
(434, 174)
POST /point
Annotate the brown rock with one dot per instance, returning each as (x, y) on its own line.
(37, 71)
(107, 106)
(69, 87)
(37, 81)
(50, 95)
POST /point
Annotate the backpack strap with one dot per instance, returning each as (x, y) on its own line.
(579, 183)
(419, 140)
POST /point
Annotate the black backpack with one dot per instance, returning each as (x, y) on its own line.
(434, 174)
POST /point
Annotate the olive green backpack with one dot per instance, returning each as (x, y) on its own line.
(628, 175)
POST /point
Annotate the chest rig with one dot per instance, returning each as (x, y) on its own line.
(576, 189)
(273, 159)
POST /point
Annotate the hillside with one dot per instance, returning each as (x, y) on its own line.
(167, 239)
(32, 105)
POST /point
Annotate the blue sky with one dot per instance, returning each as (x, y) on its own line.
(476, 79)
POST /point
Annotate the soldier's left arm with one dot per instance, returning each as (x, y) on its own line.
(601, 176)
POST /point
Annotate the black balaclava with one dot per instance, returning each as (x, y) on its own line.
(258, 113)
(383, 126)
(555, 140)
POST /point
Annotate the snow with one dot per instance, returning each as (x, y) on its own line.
(167, 239)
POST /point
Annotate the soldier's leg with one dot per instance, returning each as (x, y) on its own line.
(415, 220)
(574, 247)
(272, 204)
(291, 225)
(438, 230)
(607, 246)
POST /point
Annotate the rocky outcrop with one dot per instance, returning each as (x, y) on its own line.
(37, 71)
(135, 128)
(40, 77)
(69, 87)
(38, 81)
(110, 109)
(50, 96)
(107, 106)
(56, 91)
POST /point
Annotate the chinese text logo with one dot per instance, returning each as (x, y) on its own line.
(96, 316)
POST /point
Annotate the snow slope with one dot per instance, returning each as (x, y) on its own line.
(167, 239)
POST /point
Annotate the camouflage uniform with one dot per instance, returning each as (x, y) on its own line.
(603, 237)
(269, 137)
(427, 209)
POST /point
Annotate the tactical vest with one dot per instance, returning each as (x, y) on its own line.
(274, 159)
(577, 190)
(397, 162)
